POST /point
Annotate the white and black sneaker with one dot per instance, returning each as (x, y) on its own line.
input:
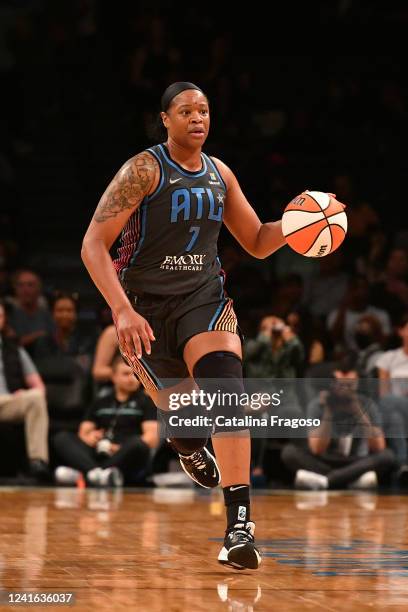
(239, 549)
(202, 467)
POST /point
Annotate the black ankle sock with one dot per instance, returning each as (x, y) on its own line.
(236, 498)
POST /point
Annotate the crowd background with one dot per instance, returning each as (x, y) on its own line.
(80, 88)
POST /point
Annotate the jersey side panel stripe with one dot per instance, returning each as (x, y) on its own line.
(129, 240)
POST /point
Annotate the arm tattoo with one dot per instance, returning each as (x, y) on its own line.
(128, 188)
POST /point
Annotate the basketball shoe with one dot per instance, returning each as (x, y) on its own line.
(239, 549)
(201, 466)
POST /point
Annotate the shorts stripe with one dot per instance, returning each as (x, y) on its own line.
(227, 320)
(152, 374)
(215, 317)
(143, 375)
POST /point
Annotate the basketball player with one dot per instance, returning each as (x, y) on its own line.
(166, 289)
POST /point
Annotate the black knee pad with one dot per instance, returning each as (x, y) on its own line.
(219, 374)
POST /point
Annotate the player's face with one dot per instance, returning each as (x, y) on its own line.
(188, 118)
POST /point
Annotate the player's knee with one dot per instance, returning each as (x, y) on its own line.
(219, 374)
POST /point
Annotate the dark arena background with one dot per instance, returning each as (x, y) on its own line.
(81, 82)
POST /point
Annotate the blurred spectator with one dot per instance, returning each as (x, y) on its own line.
(68, 337)
(369, 339)
(107, 348)
(325, 291)
(393, 373)
(391, 291)
(343, 320)
(29, 318)
(276, 352)
(393, 367)
(114, 439)
(348, 447)
(22, 399)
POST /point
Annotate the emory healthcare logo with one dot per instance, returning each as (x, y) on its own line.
(183, 262)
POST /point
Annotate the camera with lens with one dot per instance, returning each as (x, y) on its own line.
(103, 447)
(277, 328)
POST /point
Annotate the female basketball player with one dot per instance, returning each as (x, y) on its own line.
(166, 290)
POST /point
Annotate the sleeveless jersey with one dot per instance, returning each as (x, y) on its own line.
(169, 244)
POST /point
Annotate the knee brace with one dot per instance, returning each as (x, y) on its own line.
(219, 375)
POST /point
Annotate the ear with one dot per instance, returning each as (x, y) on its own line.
(165, 119)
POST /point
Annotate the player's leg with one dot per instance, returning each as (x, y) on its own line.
(164, 373)
(214, 359)
(188, 442)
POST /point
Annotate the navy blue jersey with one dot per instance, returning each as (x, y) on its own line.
(169, 244)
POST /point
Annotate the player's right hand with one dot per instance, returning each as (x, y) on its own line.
(133, 331)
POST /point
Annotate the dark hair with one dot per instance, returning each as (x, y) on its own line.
(155, 129)
(347, 363)
(403, 321)
(64, 295)
(174, 90)
(6, 331)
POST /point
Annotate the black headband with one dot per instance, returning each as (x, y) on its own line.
(173, 90)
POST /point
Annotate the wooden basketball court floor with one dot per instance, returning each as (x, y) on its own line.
(156, 550)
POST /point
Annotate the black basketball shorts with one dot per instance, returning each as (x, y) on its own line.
(175, 319)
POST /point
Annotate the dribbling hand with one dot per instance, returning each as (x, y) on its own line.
(133, 331)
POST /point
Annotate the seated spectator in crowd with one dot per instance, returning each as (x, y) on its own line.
(68, 338)
(391, 292)
(393, 374)
(348, 447)
(325, 291)
(369, 339)
(29, 317)
(393, 367)
(107, 348)
(276, 352)
(342, 322)
(22, 399)
(114, 439)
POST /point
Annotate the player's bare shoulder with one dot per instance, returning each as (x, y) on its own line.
(137, 178)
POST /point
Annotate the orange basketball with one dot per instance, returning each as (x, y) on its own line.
(314, 224)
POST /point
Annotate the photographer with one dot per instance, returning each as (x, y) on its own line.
(115, 437)
(348, 448)
(275, 354)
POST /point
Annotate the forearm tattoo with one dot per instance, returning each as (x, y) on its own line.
(128, 188)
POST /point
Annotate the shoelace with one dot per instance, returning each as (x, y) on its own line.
(247, 537)
(198, 461)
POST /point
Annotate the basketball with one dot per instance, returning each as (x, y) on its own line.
(314, 224)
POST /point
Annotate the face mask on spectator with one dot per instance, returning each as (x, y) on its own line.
(363, 340)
